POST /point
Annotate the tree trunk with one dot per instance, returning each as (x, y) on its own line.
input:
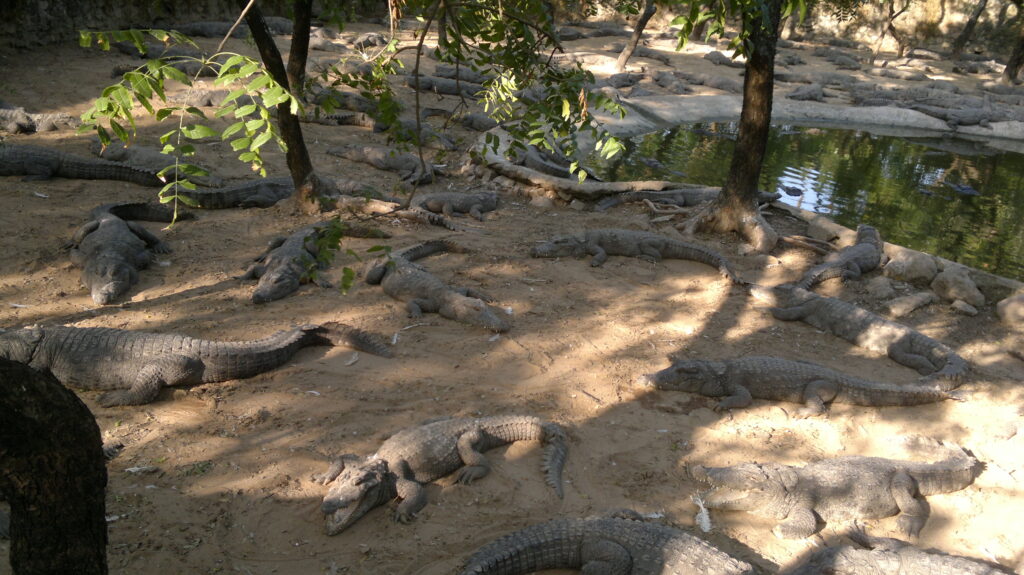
(53, 473)
(736, 207)
(1013, 66)
(312, 192)
(299, 52)
(965, 35)
(638, 32)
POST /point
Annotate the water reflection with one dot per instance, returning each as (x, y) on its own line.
(955, 198)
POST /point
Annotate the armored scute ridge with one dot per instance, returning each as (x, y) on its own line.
(39, 163)
(850, 262)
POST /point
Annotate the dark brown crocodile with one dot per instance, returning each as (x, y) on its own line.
(850, 262)
(425, 453)
(39, 163)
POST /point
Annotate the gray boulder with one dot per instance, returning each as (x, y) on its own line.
(1011, 310)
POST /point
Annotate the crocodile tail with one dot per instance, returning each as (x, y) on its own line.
(429, 248)
(817, 275)
(336, 333)
(611, 201)
(146, 211)
(554, 456)
(952, 374)
(881, 394)
(94, 169)
(951, 474)
(428, 217)
(551, 545)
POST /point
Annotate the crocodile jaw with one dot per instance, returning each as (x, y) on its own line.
(730, 499)
(343, 518)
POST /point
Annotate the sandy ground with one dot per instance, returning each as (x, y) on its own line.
(233, 491)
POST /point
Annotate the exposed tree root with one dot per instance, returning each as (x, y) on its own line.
(748, 223)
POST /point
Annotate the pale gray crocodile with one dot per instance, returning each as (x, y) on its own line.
(645, 245)
(132, 366)
(425, 453)
(38, 163)
(754, 377)
(451, 203)
(836, 489)
(850, 262)
(906, 346)
(683, 198)
(603, 546)
(18, 121)
(408, 166)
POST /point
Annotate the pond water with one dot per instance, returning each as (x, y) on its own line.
(954, 198)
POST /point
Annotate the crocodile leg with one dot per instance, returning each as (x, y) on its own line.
(901, 354)
(604, 557)
(152, 242)
(816, 395)
(477, 465)
(600, 256)
(417, 307)
(413, 497)
(739, 397)
(649, 252)
(800, 523)
(83, 231)
(913, 511)
(794, 313)
(475, 211)
(171, 370)
(472, 292)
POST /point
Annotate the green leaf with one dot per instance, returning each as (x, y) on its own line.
(245, 111)
(176, 75)
(163, 113)
(187, 150)
(261, 139)
(233, 128)
(84, 38)
(240, 143)
(198, 132)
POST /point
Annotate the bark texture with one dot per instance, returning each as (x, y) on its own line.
(638, 32)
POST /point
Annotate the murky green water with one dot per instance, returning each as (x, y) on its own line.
(954, 198)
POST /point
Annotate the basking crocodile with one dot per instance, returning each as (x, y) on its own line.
(419, 455)
(424, 292)
(850, 262)
(149, 159)
(39, 163)
(683, 198)
(644, 245)
(111, 250)
(740, 380)
(17, 121)
(887, 556)
(408, 166)
(904, 345)
(132, 366)
(608, 545)
(836, 489)
(292, 261)
(450, 203)
(262, 193)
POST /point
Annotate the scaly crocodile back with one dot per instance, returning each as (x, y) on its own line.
(147, 211)
(257, 194)
(37, 161)
(866, 253)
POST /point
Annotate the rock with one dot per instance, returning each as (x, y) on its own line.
(955, 283)
(960, 306)
(542, 202)
(821, 229)
(1011, 310)
(578, 205)
(902, 306)
(910, 266)
(879, 287)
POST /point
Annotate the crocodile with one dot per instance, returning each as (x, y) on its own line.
(683, 198)
(424, 292)
(757, 377)
(292, 261)
(408, 166)
(451, 203)
(850, 262)
(933, 359)
(149, 159)
(111, 251)
(18, 121)
(262, 193)
(836, 489)
(645, 245)
(603, 546)
(418, 455)
(38, 163)
(132, 366)
(887, 556)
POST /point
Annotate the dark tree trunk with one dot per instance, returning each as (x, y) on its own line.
(697, 34)
(638, 32)
(965, 35)
(53, 473)
(889, 28)
(299, 52)
(1016, 60)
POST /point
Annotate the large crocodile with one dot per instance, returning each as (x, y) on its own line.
(645, 245)
(836, 489)
(111, 251)
(603, 546)
(886, 556)
(850, 262)
(425, 453)
(132, 366)
(17, 121)
(450, 203)
(686, 197)
(906, 346)
(39, 163)
(262, 193)
(424, 292)
(409, 167)
(292, 261)
(151, 160)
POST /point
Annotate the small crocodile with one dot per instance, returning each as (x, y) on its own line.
(38, 163)
(603, 546)
(262, 193)
(419, 455)
(132, 366)
(850, 262)
(836, 489)
(644, 245)
(743, 379)
(292, 261)
(111, 251)
(450, 203)
(906, 346)
(886, 556)
(424, 292)
(408, 166)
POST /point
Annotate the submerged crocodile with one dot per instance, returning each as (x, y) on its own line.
(419, 455)
(906, 346)
(644, 245)
(424, 292)
(132, 366)
(292, 261)
(836, 489)
(743, 379)
(886, 556)
(608, 545)
(850, 262)
(111, 251)
(450, 203)
(39, 163)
